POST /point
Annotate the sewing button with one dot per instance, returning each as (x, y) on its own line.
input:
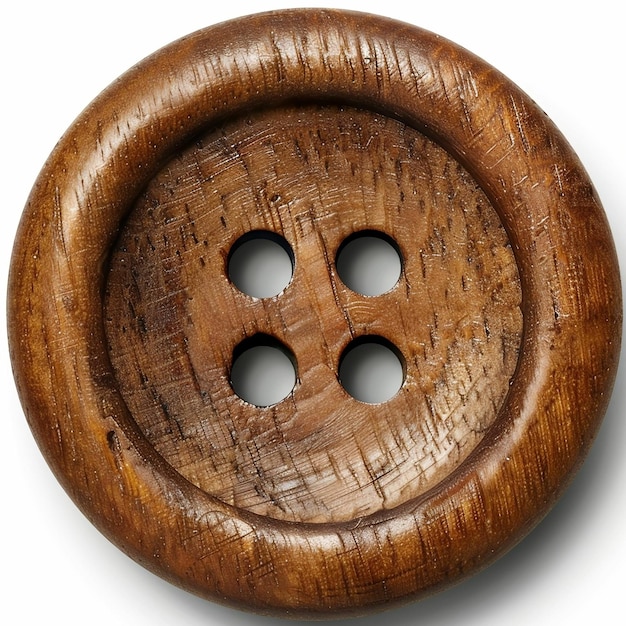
(243, 400)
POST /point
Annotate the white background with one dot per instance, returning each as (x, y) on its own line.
(55, 568)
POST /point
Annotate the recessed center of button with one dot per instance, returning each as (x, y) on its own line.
(391, 316)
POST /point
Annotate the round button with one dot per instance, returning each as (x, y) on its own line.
(210, 287)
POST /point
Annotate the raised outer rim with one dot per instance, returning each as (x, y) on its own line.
(544, 199)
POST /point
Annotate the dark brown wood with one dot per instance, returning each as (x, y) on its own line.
(314, 125)
(316, 176)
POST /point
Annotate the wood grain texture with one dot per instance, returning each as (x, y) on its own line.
(314, 124)
(316, 177)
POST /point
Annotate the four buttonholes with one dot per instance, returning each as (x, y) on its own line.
(261, 265)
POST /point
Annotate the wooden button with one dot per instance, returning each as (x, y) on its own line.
(309, 130)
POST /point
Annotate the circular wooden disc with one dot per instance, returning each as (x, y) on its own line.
(314, 125)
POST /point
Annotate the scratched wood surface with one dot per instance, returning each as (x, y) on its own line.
(314, 124)
(315, 176)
